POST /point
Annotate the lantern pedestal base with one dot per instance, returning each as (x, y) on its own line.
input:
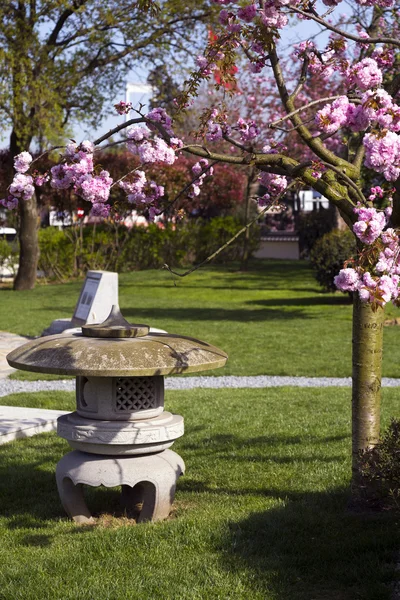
(148, 482)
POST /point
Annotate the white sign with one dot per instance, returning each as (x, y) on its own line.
(86, 299)
(98, 295)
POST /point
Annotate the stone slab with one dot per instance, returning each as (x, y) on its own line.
(8, 342)
(20, 422)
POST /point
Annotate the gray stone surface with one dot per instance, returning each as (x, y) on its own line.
(120, 398)
(144, 436)
(58, 326)
(148, 482)
(153, 354)
(8, 342)
(20, 422)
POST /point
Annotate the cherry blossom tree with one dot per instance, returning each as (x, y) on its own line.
(330, 121)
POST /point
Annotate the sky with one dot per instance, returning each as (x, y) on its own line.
(290, 36)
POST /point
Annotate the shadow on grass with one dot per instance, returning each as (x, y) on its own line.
(255, 285)
(313, 548)
(308, 301)
(214, 314)
(222, 443)
(28, 489)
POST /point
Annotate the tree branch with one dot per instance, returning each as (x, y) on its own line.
(341, 32)
(117, 129)
(314, 143)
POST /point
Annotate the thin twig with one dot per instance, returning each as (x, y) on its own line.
(232, 239)
(302, 78)
(313, 103)
(302, 124)
(207, 168)
(124, 176)
(118, 128)
(100, 148)
(46, 152)
(349, 36)
(235, 143)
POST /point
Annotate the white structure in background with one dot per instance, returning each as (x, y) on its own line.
(59, 218)
(285, 245)
(134, 220)
(137, 93)
(311, 200)
(8, 233)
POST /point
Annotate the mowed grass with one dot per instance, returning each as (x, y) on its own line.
(273, 319)
(260, 514)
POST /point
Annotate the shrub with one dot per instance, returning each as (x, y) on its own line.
(74, 250)
(8, 254)
(215, 233)
(380, 469)
(56, 257)
(329, 254)
(311, 226)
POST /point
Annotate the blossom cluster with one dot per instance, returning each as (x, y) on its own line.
(141, 191)
(378, 109)
(149, 150)
(382, 153)
(382, 284)
(216, 126)
(123, 108)
(77, 172)
(248, 130)
(322, 63)
(22, 187)
(154, 149)
(274, 184)
(200, 170)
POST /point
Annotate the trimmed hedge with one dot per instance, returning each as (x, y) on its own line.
(72, 251)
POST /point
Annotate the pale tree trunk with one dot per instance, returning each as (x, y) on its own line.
(367, 369)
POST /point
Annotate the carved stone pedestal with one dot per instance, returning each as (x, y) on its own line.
(148, 482)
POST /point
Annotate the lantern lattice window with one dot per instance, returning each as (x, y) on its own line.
(135, 393)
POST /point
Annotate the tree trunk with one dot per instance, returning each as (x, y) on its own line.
(28, 245)
(28, 227)
(367, 368)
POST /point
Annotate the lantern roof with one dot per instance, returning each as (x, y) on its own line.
(116, 348)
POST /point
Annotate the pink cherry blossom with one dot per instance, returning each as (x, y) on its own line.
(347, 280)
(364, 75)
(22, 162)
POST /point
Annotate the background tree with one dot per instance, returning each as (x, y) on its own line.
(61, 60)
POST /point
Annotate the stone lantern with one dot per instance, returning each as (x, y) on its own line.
(120, 433)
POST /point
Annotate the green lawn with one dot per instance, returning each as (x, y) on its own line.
(273, 319)
(260, 514)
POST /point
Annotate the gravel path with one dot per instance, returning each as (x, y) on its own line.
(188, 383)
